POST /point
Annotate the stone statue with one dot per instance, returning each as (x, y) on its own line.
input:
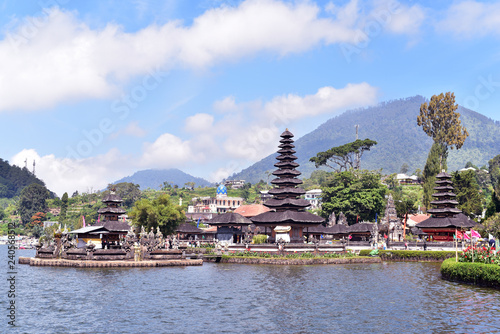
(342, 219)
(331, 219)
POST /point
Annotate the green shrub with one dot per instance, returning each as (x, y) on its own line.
(410, 254)
(476, 273)
(259, 239)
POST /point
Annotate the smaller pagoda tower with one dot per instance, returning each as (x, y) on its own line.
(446, 218)
(109, 217)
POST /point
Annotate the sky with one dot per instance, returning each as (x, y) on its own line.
(92, 91)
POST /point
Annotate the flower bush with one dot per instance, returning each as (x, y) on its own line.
(479, 255)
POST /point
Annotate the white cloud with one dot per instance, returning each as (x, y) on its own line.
(199, 123)
(167, 151)
(132, 129)
(67, 175)
(472, 19)
(62, 59)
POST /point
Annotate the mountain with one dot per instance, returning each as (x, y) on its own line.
(393, 125)
(154, 178)
(13, 179)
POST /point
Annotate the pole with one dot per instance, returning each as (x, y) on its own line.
(456, 246)
(404, 229)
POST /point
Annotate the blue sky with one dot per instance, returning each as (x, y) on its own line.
(96, 90)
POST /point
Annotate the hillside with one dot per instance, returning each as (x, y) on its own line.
(13, 179)
(400, 140)
(154, 178)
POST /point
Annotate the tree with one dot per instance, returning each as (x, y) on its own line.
(439, 121)
(2, 213)
(33, 199)
(493, 206)
(345, 157)
(160, 212)
(491, 225)
(467, 191)
(404, 168)
(494, 171)
(37, 219)
(64, 207)
(431, 169)
(129, 192)
(355, 194)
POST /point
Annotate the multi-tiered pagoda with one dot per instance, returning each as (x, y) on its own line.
(446, 217)
(109, 217)
(288, 217)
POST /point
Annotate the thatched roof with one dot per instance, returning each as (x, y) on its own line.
(321, 229)
(287, 217)
(230, 218)
(361, 227)
(459, 220)
(116, 225)
(188, 228)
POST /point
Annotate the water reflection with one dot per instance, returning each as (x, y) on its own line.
(225, 298)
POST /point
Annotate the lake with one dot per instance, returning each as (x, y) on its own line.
(229, 298)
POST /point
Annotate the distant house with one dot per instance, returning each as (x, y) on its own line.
(219, 204)
(235, 184)
(265, 195)
(314, 197)
(404, 179)
(49, 224)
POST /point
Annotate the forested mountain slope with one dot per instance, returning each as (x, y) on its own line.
(400, 140)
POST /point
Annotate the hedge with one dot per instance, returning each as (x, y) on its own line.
(410, 255)
(469, 272)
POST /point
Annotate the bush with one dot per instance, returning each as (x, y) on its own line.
(259, 239)
(476, 273)
(410, 254)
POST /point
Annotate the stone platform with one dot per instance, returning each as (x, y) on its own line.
(284, 261)
(108, 264)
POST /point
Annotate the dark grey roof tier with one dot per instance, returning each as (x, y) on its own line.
(442, 188)
(111, 197)
(443, 175)
(361, 228)
(274, 203)
(286, 181)
(460, 221)
(287, 145)
(286, 134)
(287, 191)
(115, 226)
(188, 228)
(118, 210)
(287, 218)
(321, 229)
(417, 231)
(444, 195)
(286, 157)
(286, 164)
(448, 202)
(286, 172)
(287, 151)
(230, 218)
(444, 210)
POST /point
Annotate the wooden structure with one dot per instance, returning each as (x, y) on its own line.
(446, 218)
(288, 208)
(110, 218)
(230, 227)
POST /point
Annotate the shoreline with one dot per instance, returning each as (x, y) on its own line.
(38, 262)
(311, 261)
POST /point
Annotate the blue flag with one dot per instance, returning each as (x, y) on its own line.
(198, 223)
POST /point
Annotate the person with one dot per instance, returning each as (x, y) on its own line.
(491, 242)
(425, 245)
(406, 245)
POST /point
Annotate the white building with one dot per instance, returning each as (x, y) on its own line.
(220, 204)
(314, 197)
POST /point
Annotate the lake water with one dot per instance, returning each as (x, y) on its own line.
(230, 298)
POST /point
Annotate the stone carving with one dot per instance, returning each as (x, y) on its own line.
(331, 219)
(342, 219)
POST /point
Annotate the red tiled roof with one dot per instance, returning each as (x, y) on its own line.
(251, 210)
(418, 218)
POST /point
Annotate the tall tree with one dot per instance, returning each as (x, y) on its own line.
(345, 157)
(129, 192)
(64, 207)
(32, 200)
(432, 168)
(356, 194)
(160, 212)
(467, 191)
(439, 120)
